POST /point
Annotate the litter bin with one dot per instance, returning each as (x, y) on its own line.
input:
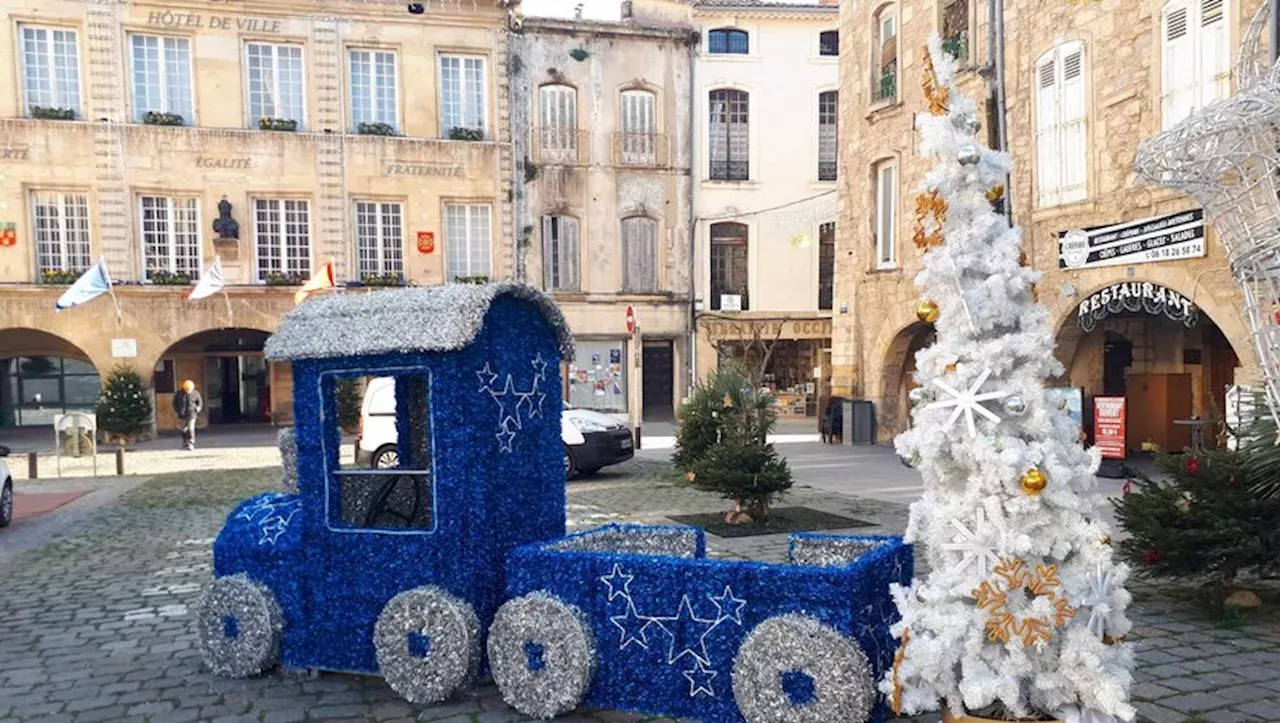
(859, 422)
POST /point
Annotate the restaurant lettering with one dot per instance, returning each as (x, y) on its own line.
(1163, 238)
(242, 163)
(1135, 297)
(183, 19)
(422, 169)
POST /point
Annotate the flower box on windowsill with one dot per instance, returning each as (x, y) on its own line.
(45, 113)
(277, 124)
(169, 278)
(466, 134)
(479, 279)
(376, 129)
(278, 279)
(156, 118)
(379, 280)
(58, 277)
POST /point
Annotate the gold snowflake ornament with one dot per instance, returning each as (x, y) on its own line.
(1007, 597)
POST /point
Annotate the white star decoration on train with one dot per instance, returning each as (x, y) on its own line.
(687, 631)
(512, 402)
(974, 545)
(273, 514)
(968, 402)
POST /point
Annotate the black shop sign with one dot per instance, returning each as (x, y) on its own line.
(1135, 297)
(1163, 238)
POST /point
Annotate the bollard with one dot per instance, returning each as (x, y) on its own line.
(119, 462)
(637, 436)
(33, 465)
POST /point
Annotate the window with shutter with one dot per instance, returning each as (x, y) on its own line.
(826, 264)
(728, 136)
(1196, 57)
(639, 128)
(559, 124)
(886, 215)
(640, 255)
(828, 139)
(467, 242)
(884, 80)
(560, 253)
(1062, 144)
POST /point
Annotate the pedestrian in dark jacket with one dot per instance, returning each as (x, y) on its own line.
(187, 405)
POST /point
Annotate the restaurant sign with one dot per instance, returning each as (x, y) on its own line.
(1163, 238)
(1133, 297)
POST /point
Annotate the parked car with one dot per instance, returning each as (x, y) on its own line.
(6, 490)
(591, 440)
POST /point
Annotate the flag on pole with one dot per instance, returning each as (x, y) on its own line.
(318, 282)
(211, 282)
(93, 283)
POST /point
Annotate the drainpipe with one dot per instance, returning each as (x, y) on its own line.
(995, 53)
(1275, 30)
(691, 375)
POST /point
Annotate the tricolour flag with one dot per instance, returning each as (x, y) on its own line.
(93, 283)
(318, 282)
(211, 282)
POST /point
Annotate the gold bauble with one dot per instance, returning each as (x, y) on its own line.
(951, 368)
(995, 193)
(1034, 481)
(927, 311)
(1106, 540)
(1112, 640)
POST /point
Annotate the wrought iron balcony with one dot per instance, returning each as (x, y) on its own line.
(651, 150)
(560, 146)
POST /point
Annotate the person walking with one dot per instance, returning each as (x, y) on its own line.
(187, 405)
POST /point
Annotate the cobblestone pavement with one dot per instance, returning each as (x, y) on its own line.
(95, 626)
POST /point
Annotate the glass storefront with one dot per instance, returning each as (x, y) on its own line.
(34, 389)
(598, 376)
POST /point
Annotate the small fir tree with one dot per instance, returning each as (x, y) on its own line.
(1206, 518)
(349, 397)
(722, 444)
(124, 406)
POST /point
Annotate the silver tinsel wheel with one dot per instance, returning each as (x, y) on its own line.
(542, 655)
(794, 669)
(239, 624)
(428, 644)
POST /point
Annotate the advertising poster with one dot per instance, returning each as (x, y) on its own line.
(1108, 426)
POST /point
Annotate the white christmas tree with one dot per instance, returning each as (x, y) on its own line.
(1022, 608)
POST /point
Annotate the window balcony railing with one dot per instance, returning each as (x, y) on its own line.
(645, 150)
(827, 170)
(730, 170)
(888, 87)
(560, 146)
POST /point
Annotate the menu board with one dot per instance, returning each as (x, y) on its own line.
(597, 377)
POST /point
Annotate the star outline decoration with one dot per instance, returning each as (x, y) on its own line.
(703, 682)
(967, 402)
(511, 401)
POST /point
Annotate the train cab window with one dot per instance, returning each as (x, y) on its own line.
(392, 489)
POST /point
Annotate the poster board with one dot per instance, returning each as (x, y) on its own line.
(1109, 426)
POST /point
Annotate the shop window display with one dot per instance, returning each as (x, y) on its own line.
(598, 376)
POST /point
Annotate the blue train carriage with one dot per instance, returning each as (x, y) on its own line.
(637, 618)
(396, 572)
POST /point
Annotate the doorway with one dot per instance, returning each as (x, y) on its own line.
(658, 381)
(1117, 357)
(237, 389)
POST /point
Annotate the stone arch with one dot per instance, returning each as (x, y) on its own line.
(40, 365)
(224, 363)
(896, 368)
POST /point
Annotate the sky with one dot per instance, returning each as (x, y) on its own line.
(591, 9)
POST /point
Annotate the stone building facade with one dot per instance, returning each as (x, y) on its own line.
(341, 130)
(1124, 264)
(601, 125)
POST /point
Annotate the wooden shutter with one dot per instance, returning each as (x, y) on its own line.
(1072, 117)
(639, 254)
(1214, 53)
(1179, 81)
(560, 252)
(559, 123)
(1048, 157)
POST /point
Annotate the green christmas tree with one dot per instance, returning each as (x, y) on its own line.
(349, 398)
(721, 444)
(1204, 518)
(124, 406)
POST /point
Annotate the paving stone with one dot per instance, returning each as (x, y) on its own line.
(1158, 714)
(284, 716)
(1156, 657)
(1151, 691)
(1195, 702)
(1268, 710)
(1185, 685)
(1170, 670)
(1229, 716)
(111, 713)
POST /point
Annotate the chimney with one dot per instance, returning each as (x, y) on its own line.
(626, 9)
(577, 12)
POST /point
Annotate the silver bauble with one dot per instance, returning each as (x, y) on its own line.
(917, 396)
(969, 154)
(1015, 405)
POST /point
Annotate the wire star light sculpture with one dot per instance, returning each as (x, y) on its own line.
(1227, 156)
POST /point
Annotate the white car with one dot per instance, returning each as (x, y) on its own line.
(591, 440)
(6, 490)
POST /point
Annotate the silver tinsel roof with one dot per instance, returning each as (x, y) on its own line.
(435, 318)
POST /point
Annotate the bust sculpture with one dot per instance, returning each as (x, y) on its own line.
(224, 225)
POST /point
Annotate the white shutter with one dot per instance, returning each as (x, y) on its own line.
(1215, 58)
(1179, 65)
(559, 123)
(1048, 157)
(1072, 114)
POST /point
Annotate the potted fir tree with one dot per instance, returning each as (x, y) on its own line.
(124, 407)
